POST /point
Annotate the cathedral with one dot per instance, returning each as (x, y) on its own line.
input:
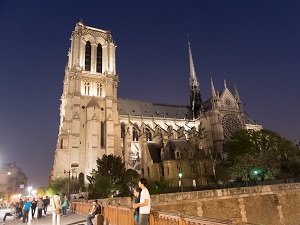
(176, 143)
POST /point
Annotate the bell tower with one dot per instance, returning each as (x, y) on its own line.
(88, 126)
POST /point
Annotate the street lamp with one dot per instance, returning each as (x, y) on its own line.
(29, 189)
(180, 175)
(68, 172)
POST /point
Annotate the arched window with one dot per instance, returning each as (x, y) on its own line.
(99, 58)
(61, 143)
(148, 134)
(99, 90)
(81, 178)
(135, 136)
(88, 56)
(123, 126)
(86, 88)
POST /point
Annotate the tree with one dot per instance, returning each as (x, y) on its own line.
(60, 186)
(222, 173)
(111, 178)
(157, 187)
(261, 154)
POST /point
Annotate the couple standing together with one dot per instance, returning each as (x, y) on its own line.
(144, 205)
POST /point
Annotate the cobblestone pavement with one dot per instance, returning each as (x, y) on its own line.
(69, 219)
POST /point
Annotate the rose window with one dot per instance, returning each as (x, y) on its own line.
(230, 124)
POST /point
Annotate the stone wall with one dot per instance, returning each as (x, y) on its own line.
(267, 205)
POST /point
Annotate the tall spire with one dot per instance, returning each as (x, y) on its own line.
(213, 91)
(195, 96)
(237, 97)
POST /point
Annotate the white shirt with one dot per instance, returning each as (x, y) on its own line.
(145, 195)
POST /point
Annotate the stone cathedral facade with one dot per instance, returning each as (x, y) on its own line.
(156, 139)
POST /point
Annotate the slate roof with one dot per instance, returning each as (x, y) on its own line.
(182, 145)
(249, 120)
(154, 150)
(149, 109)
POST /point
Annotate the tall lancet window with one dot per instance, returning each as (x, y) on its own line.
(99, 90)
(87, 88)
(88, 56)
(135, 136)
(148, 134)
(102, 135)
(99, 58)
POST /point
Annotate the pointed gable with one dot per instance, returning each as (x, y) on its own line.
(93, 103)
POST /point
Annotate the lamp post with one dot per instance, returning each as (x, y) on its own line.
(29, 188)
(68, 172)
(180, 176)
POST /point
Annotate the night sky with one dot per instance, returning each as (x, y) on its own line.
(254, 44)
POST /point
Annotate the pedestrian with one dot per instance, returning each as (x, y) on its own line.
(46, 203)
(21, 203)
(26, 209)
(144, 203)
(136, 194)
(33, 207)
(56, 210)
(40, 205)
(12, 212)
(65, 205)
(94, 210)
(19, 210)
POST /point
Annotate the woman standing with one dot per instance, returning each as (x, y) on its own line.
(136, 193)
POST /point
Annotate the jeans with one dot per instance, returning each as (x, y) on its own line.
(6, 214)
(25, 216)
(64, 210)
(89, 219)
(144, 219)
(45, 208)
(33, 211)
(40, 212)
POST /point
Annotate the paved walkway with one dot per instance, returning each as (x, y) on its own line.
(69, 219)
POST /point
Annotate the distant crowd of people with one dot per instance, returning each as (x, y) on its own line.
(20, 209)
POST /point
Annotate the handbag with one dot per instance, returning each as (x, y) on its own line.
(58, 211)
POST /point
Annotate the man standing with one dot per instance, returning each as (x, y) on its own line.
(33, 207)
(95, 209)
(26, 208)
(144, 203)
(56, 209)
(46, 202)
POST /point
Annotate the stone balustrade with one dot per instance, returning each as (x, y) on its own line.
(116, 215)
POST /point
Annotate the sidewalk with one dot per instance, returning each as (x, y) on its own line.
(69, 219)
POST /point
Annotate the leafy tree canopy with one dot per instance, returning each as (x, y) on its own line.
(60, 186)
(261, 153)
(157, 187)
(111, 178)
